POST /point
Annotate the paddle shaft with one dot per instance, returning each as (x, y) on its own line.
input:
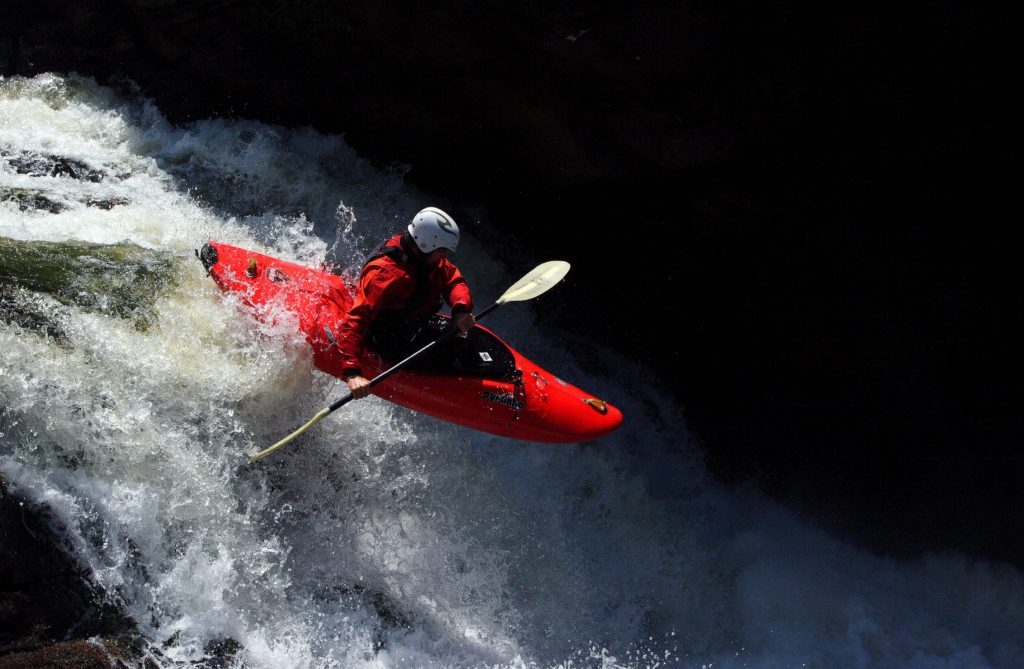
(398, 365)
(323, 413)
(534, 283)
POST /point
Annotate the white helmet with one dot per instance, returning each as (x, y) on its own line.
(431, 229)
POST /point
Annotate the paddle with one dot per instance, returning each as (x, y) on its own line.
(536, 282)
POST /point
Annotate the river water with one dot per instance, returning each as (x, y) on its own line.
(132, 391)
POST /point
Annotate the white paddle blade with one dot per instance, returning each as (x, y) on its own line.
(539, 280)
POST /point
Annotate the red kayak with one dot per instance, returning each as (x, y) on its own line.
(478, 381)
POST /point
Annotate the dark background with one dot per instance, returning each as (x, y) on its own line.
(797, 215)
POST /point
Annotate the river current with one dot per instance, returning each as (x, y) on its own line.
(132, 391)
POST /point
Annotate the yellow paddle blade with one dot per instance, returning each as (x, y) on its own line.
(270, 449)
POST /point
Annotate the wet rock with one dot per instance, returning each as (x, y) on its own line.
(76, 654)
(121, 280)
(38, 164)
(49, 607)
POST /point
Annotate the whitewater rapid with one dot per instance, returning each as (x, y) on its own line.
(383, 538)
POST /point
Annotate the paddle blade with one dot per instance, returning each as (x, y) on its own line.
(539, 280)
(270, 449)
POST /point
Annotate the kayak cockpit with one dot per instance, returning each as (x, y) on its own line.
(479, 354)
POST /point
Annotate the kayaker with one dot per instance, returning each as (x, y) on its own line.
(401, 289)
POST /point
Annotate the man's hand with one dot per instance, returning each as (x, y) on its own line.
(464, 321)
(359, 386)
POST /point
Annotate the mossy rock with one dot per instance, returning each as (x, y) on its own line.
(121, 280)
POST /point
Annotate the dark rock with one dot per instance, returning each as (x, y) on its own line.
(49, 606)
(34, 574)
(38, 164)
(76, 654)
